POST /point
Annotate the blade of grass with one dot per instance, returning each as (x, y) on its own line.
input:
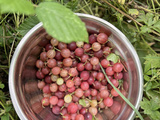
(119, 5)
(5, 70)
(3, 66)
(124, 98)
(4, 41)
(11, 49)
(9, 29)
(89, 7)
(4, 18)
(82, 7)
(83, 10)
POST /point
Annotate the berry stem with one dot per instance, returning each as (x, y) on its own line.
(72, 93)
(89, 54)
(94, 117)
(62, 107)
(89, 100)
(85, 63)
(57, 49)
(100, 101)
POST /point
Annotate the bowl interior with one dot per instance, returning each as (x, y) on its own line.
(27, 97)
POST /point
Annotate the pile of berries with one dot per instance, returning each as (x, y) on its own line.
(72, 81)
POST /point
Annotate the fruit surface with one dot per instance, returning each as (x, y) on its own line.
(71, 79)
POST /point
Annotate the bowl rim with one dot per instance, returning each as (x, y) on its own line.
(12, 86)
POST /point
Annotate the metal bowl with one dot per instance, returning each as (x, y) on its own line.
(26, 96)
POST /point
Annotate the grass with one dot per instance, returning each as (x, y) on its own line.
(144, 35)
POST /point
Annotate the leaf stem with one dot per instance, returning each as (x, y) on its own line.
(2, 105)
(5, 70)
(145, 9)
(11, 116)
(157, 2)
(124, 98)
(153, 5)
(2, 112)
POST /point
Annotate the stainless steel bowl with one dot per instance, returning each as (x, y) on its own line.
(26, 96)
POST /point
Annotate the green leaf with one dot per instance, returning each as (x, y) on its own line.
(153, 60)
(149, 86)
(8, 108)
(5, 117)
(146, 77)
(1, 85)
(82, 102)
(151, 72)
(133, 11)
(154, 95)
(28, 23)
(142, 50)
(142, 17)
(157, 24)
(150, 108)
(156, 85)
(113, 57)
(147, 67)
(155, 28)
(128, 30)
(72, 5)
(145, 29)
(61, 23)
(150, 20)
(16, 6)
(2, 96)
